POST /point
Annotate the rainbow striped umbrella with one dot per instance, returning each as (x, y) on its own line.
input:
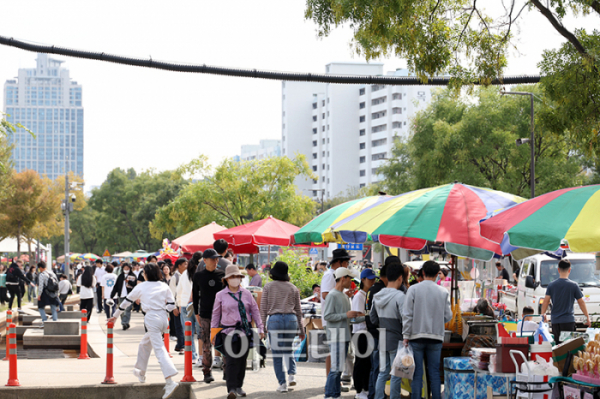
(448, 213)
(571, 214)
(318, 230)
(87, 256)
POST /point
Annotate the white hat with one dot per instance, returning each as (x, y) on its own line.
(343, 271)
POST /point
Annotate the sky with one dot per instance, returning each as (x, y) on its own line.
(142, 118)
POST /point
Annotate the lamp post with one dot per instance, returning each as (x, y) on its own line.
(322, 190)
(67, 207)
(530, 140)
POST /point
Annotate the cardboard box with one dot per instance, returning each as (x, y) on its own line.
(559, 352)
(311, 323)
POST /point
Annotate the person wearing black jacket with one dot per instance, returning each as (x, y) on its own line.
(125, 283)
(31, 275)
(206, 284)
(14, 274)
(378, 286)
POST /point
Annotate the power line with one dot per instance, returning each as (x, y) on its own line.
(250, 73)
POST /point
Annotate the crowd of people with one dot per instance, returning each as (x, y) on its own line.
(379, 316)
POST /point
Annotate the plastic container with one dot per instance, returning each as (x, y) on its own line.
(543, 350)
(447, 336)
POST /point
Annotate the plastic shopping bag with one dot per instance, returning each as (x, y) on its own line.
(404, 363)
(542, 331)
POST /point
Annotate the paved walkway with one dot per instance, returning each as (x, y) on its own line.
(74, 372)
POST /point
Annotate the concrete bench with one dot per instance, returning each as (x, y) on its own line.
(61, 327)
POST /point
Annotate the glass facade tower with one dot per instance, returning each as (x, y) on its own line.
(46, 101)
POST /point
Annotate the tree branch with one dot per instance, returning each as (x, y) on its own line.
(560, 27)
(596, 6)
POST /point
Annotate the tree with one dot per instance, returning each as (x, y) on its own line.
(125, 204)
(472, 140)
(30, 202)
(237, 193)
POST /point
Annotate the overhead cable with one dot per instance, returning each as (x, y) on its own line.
(252, 73)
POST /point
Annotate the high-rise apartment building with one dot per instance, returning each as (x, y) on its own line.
(346, 132)
(266, 149)
(46, 101)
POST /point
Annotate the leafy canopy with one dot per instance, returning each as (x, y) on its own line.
(472, 140)
(237, 193)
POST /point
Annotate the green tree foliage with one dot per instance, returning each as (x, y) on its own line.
(299, 276)
(237, 193)
(122, 208)
(572, 83)
(472, 140)
(30, 202)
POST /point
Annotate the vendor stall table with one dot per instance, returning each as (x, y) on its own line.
(507, 376)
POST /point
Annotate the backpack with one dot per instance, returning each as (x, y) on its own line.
(10, 276)
(52, 284)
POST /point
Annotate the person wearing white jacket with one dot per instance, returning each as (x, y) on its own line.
(184, 291)
(156, 300)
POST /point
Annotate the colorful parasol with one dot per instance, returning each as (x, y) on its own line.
(571, 214)
(448, 213)
(268, 231)
(87, 256)
(319, 229)
(166, 252)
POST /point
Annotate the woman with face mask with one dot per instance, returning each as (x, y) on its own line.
(125, 283)
(233, 311)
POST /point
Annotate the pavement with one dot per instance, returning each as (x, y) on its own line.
(41, 374)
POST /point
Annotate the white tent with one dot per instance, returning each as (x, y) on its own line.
(10, 245)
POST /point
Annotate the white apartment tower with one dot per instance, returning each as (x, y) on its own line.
(346, 131)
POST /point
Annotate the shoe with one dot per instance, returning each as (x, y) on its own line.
(345, 389)
(199, 362)
(208, 378)
(170, 387)
(19, 309)
(224, 376)
(346, 378)
(217, 362)
(240, 392)
(182, 352)
(291, 380)
(282, 388)
(138, 373)
(232, 395)
(362, 395)
(173, 338)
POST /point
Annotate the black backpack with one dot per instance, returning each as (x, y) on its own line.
(52, 284)
(10, 275)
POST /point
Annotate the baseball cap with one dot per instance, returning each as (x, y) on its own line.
(210, 254)
(343, 272)
(368, 273)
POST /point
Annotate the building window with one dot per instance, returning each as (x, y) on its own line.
(323, 102)
(362, 173)
(314, 155)
(314, 105)
(397, 96)
(323, 141)
(380, 128)
(361, 92)
(377, 143)
(377, 115)
(314, 168)
(362, 146)
(323, 153)
(361, 119)
(361, 132)
(396, 110)
(314, 143)
(323, 115)
(315, 181)
(314, 193)
(379, 100)
(323, 167)
(323, 178)
(377, 87)
(315, 130)
(327, 127)
(361, 105)
(362, 185)
(363, 159)
(397, 125)
(374, 171)
(323, 128)
(314, 118)
(376, 157)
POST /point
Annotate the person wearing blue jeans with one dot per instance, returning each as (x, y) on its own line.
(385, 368)
(374, 369)
(282, 329)
(426, 310)
(338, 351)
(46, 297)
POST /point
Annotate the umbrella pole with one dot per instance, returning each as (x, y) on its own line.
(269, 256)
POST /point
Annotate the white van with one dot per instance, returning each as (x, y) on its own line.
(539, 270)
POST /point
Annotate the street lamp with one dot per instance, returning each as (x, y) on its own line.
(67, 207)
(530, 140)
(322, 190)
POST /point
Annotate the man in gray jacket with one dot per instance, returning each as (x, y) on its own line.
(338, 315)
(387, 314)
(426, 310)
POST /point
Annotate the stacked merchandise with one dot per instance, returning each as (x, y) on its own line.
(587, 363)
(480, 357)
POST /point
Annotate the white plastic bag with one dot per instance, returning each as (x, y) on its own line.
(404, 363)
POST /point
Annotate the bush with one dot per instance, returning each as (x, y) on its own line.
(298, 273)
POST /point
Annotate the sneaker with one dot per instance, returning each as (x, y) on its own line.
(282, 388)
(199, 362)
(170, 388)
(346, 378)
(362, 395)
(138, 373)
(345, 389)
(232, 395)
(291, 380)
(240, 392)
(208, 378)
(217, 362)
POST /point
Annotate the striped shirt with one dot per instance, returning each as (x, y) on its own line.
(280, 297)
